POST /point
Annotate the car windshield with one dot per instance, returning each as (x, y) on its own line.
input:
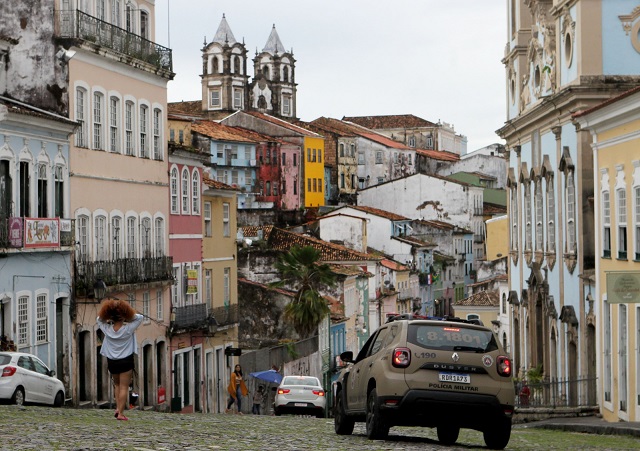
(4, 359)
(451, 338)
(300, 381)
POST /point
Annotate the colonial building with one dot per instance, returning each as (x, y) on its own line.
(117, 91)
(613, 303)
(561, 57)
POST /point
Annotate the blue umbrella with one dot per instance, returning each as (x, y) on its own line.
(268, 376)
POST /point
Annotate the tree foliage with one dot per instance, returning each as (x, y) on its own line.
(301, 271)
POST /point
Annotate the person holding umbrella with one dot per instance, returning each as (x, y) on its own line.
(237, 389)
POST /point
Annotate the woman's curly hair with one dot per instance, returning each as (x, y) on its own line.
(116, 310)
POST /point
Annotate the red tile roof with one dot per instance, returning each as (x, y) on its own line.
(493, 209)
(283, 123)
(351, 129)
(481, 299)
(220, 132)
(393, 265)
(189, 107)
(442, 155)
(374, 211)
(389, 121)
(283, 240)
(217, 185)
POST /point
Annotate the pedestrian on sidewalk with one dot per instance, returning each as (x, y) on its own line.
(257, 400)
(119, 321)
(237, 389)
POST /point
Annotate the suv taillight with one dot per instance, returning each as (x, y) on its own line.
(401, 357)
(8, 371)
(503, 365)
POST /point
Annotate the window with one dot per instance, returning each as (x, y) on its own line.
(83, 237)
(551, 216)
(606, 224)
(571, 213)
(42, 191)
(622, 222)
(145, 305)
(157, 145)
(286, 105)
(227, 285)
(237, 98)
(284, 159)
(128, 128)
(185, 191)
(100, 229)
(174, 190)
(145, 237)
(97, 120)
(295, 186)
(539, 218)
(527, 216)
(42, 321)
(308, 155)
(319, 185)
(268, 189)
(342, 149)
(100, 10)
(341, 180)
(207, 219)
(159, 236)
(172, 135)
(131, 237)
(115, 13)
(114, 119)
(181, 136)
(23, 321)
(81, 131)
(309, 185)
(58, 191)
(175, 289)
(215, 98)
(25, 187)
(144, 149)
(412, 141)
(159, 305)
(313, 155)
(207, 287)
(636, 220)
(144, 25)
(319, 155)
(225, 219)
(295, 159)
(513, 204)
(353, 150)
(380, 180)
(360, 157)
(195, 192)
(315, 185)
(116, 237)
(379, 157)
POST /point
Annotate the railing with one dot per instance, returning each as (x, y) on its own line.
(79, 25)
(556, 393)
(191, 316)
(225, 316)
(123, 271)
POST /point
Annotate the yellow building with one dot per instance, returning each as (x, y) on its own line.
(313, 171)
(615, 302)
(496, 246)
(220, 288)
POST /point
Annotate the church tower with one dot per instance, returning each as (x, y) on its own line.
(273, 89)
(224, 73)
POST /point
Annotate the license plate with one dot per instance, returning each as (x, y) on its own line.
(301, 404)
(455, 377)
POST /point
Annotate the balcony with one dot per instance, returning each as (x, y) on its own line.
(196, 317)
(124, 271)
(77, 25)
(60, 233)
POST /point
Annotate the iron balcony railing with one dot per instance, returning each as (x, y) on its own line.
(76, 24)
(199, 317)
(123, 271)
(225, 315)
(556, 393)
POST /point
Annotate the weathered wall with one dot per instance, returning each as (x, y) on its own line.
(33, 73)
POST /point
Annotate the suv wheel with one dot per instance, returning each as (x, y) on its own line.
(377, 429)
(342, 424)
(498, 436)
(448, 434)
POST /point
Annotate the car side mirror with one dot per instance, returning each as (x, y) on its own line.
(52, 373)
(347, 356)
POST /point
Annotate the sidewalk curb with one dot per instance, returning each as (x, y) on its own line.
(588, 428)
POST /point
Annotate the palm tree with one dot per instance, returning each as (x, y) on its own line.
(300, 269)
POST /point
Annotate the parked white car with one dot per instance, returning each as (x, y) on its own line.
(24, 378)
(300, 395)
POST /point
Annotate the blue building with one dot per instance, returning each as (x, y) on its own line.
(36, 236)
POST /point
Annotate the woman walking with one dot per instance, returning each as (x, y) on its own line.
(119, 321)
(237, 389)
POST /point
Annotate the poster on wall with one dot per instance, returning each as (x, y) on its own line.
(192, 281)
(41, 232)
(15, 232)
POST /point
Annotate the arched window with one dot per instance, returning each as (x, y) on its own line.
(43, 207)
(214, 65)
(83, 238)
(185, 191)
(342, 149)
(159, 237)
(265, 71)
(285, 74)
(195, 192)
(81, 115)
(58, 191)
(145, 237)
(174, 190)
(116, 237)
(131, 237)
(98, 121)
(100, 230)
(236, 64)
(144, 125)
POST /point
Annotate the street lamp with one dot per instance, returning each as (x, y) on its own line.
(99, 289)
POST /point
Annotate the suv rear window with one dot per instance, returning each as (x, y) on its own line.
(451, 338)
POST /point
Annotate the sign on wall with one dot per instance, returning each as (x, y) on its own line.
(15, 232)
(41, 232)
(192, 281)
(623, 287)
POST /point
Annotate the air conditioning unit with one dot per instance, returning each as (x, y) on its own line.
(252, 162)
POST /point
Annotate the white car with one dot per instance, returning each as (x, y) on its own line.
(25, 378)
(300, 395)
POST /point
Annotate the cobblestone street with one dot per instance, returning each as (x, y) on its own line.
(43, 429)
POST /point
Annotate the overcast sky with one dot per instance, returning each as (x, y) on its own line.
(435, 59)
